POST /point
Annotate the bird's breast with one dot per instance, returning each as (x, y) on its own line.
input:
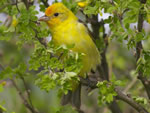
(74, 34)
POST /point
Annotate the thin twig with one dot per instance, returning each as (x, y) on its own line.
(41, 40)
(130, 85)
(26, 3)
(45, 3)
(28, 92)
(120, 20)
(120, 16)
(17, 6)
(25, 102)
(5, 5)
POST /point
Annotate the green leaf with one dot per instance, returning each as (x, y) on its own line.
(6, 73)
(139, 36)
(106, 92)
(140, 100)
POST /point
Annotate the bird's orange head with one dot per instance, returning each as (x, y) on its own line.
(56, 14)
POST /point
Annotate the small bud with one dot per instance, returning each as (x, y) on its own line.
(82, 4)
(14, 21)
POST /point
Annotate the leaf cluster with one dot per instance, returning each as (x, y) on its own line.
(107, 90)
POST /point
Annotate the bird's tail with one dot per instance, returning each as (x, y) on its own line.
(73, 98)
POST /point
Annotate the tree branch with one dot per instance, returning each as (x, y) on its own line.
(26, 3)
(45, 3)
(41, 40)
(5, 5)
(120, 95)
(103, 67)
(130, 101)
(28, 92)
(139, 48)
(25, 102)
(17, 6)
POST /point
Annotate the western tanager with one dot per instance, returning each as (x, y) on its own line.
(66, 29)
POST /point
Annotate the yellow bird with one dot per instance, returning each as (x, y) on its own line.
(67, 30)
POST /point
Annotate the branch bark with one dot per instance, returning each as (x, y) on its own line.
(130, 101)
(139, 48)
(120, 96)
(103, 68)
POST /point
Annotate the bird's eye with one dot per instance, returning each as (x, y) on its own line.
(56, 14)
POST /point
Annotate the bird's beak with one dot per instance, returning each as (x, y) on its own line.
(44, 18)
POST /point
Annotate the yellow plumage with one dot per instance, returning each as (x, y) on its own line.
(67, 30)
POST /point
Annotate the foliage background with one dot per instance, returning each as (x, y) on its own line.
(21, 40)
